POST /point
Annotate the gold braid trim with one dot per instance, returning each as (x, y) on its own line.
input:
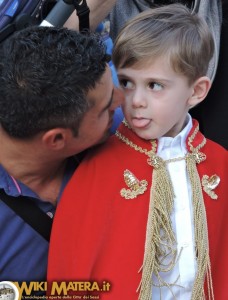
(160, 239)
(201, 234)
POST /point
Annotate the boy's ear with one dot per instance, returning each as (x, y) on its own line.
(57, 138)
(201, 88)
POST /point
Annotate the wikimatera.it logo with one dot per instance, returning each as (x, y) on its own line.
(52, 290)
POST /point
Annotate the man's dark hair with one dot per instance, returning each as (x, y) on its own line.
(45, 75)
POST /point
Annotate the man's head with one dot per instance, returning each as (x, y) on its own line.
(53, 79)
(171, 31)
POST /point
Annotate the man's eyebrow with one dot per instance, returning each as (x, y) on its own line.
(108, 104)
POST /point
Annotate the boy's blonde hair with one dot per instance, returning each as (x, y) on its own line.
(172, 31)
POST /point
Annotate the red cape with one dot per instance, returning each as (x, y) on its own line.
(100, 236)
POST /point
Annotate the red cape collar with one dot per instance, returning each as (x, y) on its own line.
(195, 139)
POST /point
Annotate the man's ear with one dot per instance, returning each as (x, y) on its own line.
(201, 88)
(57, 138)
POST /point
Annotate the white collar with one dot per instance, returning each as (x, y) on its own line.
(179, 141)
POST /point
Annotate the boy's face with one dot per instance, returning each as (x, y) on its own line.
(156, 99)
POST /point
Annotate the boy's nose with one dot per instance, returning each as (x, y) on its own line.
(138, 99)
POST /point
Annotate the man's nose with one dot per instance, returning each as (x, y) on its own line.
(118, 98)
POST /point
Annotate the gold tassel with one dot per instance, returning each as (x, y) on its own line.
(160, 239)
(201, 235)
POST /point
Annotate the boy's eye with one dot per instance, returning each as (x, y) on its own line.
(126, 84)
(155, 86)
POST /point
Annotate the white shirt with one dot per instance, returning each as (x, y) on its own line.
(182, 218)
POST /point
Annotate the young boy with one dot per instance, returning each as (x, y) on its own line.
(146, 212)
